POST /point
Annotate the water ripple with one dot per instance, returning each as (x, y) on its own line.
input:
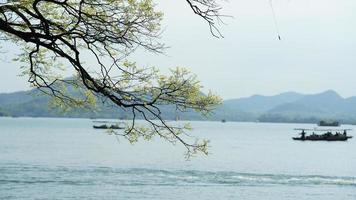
(16, 174)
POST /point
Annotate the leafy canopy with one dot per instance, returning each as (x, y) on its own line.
(57, 35)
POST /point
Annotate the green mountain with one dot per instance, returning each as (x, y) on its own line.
(31, 104)
(327, 105)
(285, 107)
(16, 97)
(260, 104)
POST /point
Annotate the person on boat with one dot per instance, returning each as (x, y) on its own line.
(345, 134)
(303, 134)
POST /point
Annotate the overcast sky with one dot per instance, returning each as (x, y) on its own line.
(317, 51)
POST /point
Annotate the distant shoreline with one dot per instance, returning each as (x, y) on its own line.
(183, 120)
(288, 107)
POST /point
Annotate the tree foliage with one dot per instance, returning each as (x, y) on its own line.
(56, 34)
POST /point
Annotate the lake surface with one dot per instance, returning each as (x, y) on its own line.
(68, 159)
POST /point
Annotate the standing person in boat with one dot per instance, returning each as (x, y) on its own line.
(345, 134)
(303, 134)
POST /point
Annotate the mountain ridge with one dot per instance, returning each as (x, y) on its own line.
(283, 107)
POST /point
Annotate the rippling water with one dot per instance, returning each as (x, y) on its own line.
(67, 159)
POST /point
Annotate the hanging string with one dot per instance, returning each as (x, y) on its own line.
(275, 20)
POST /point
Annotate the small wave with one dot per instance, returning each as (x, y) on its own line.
(62, 182)
(143, 176)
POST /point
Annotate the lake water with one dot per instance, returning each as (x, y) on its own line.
(68, 159)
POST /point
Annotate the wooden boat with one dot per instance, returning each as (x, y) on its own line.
(328, 123)
(342, 138)
(104, 126)
(328, 136)
(108, 124)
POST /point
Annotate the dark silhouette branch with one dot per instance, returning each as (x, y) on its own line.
(68, 32)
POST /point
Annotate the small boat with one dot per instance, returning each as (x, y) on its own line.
(104, 126)
(328, 123)
(328, 136)
(108, 125)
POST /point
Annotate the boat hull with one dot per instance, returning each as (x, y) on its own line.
(107, 127)
(323, 139)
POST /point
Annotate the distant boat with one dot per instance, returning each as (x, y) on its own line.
(328, 136)
(104, 126)
(107, 125)
(328, 123)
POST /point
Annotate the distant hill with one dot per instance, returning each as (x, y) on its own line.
(284, 107)
(259, 103)
(16, 97)
(312, 108)
(32, 104)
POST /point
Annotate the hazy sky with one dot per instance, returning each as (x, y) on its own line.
(317, 51)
